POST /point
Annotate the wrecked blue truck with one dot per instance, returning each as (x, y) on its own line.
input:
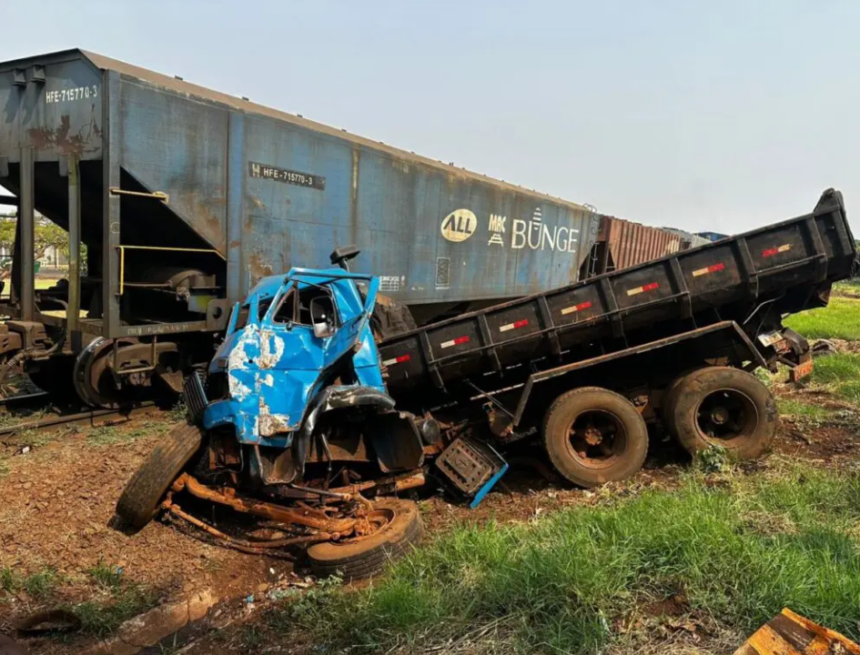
(322, 402)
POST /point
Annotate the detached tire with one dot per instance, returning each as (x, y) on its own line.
(367, 557)
(594, 435)
(142, 495)
(725, 406)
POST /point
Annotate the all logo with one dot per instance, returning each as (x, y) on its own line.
(533, 233)
(459, 225)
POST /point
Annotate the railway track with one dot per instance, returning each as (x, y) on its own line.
(25, 400)
(89, 418)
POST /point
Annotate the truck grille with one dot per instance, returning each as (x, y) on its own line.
(195, 397)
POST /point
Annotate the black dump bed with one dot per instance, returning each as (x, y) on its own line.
(753, 279)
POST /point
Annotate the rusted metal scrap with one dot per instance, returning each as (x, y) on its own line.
(307, 517)
(791, 634)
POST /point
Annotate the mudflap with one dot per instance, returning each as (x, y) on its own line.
(397, 442)
(472, 467)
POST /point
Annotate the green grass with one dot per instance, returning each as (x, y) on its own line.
(40, 585)
(847, 287)
(109, 435)
(839, 373)
(107, 577)
(116, 601)
(808, 415)
(8, 580)
(738, 553)
(102, 617)
(803, 410)
(839, 320)
(120, 601)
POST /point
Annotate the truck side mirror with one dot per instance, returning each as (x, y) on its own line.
(322, 317)
(341, 256)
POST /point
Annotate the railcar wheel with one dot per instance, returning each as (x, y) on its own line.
(594, 435)
(145, 490)
(725, 406)
(364, 557)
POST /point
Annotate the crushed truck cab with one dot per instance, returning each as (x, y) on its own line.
(294, 336)
(299, 349)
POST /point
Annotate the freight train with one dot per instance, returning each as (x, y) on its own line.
(621, 244)
(177, 199)
(184, 197)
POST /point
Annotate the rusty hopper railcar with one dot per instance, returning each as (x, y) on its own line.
(621, 243)
(184, 197)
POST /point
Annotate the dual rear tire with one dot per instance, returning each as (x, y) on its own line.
(594, 435)
(721, 406)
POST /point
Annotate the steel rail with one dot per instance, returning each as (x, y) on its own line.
(93, 417)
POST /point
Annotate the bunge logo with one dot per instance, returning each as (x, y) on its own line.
(533, 233)
(459, 225)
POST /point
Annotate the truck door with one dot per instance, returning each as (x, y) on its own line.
(353, 316)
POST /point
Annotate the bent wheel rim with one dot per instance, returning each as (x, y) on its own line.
(376, 520)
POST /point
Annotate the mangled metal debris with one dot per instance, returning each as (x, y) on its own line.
(789, 633)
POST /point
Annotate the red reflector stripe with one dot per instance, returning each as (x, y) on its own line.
(514, 325)
(770, 252)
(454, 342)
(397, 360)
(643, 289)
(710, 269)
(576, 308)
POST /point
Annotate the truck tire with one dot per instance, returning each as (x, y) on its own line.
(720, 405)
(369, 556)
(669, 400)
(142, 495)
(594, 435)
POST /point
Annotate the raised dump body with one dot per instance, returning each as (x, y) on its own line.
(185, 197)
(752, 279)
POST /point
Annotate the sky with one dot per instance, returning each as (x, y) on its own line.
(702, 115)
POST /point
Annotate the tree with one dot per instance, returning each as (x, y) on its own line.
(45, 235)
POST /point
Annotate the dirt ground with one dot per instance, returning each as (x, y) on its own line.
(57, 513)
(58, 495)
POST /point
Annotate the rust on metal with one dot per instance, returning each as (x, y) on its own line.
(43, 138)
(633, 243)
(261, 546)
(789, 633)
(390, 484)
(307, 517)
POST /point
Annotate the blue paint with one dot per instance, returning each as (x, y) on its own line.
(486, 488)
(235, 193)
(279, 370)
(276, 367)
(198, 146)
